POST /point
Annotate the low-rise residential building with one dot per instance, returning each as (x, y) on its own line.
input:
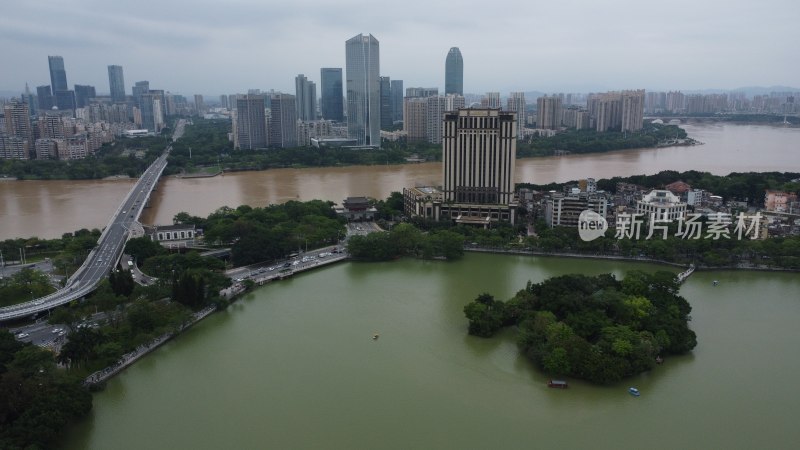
(564, 210)
(779, 201)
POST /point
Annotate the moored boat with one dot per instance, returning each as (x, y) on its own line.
(633, 391)
(559, 384)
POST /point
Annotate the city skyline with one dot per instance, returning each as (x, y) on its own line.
(686, 46)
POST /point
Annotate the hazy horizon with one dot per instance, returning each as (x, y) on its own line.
(220, 48)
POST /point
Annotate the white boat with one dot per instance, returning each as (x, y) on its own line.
(633, 391)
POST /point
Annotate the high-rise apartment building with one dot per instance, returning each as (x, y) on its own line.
(632, 110)
(454, 72)
(250, 122)
(332, 95)
(363, 90)
(479, 150)
(223, 101)
(17, 141)
(282, 121)
(83, 93)
(305, 98)
(516, 103)
(58, 75)
(386, 103)
(199, 104)
(397, 100)
(116, 82)
(491, 100)
(548, 112)
(421, 92)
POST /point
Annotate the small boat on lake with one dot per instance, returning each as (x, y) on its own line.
(633, 391)
(716, 282)
(558, 384)
(375, 336)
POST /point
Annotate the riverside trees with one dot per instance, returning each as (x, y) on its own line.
(596, 328)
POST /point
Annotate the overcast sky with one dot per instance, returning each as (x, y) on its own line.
(213, 47)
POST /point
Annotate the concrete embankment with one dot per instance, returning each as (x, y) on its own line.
(130, 358)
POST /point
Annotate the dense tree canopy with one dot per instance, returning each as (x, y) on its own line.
(596, 328)
(38, 400)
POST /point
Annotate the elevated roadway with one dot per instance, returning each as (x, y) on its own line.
(106, 254)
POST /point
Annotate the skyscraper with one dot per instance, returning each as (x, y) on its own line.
(58, 76)
(363, 90)
(454, 72)
(82, 95)
(516, 103)
(305, 98)
(397, 100)
(332, 95)
(140, 88)
(283, 121)
(116, 82)
(250, 124)
(548, 112)
(386, 103)
(45, 97)
(199, 104)
(479, 150)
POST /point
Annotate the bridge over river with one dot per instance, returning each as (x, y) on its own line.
(109, 248)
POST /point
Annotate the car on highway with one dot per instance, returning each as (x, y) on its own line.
(22, 335)
(57, 330)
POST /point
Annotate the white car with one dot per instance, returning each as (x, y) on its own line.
(22, 335)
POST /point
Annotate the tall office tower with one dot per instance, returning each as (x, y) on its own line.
(386, 103)
(116, 82)
(45, 97)
(454, 72)
(223, 101)
(397, 100)
(199, 104)
(363, 90)
(479, 150)
(82, 95)
(491, 100)
(139, 89)
(548, 112)
(516, 103)
(632, 110)
(250, 124)
(332, 95)
(58, 76)
(283, 121)
(305, 98)
(65, 100)
(152, 110)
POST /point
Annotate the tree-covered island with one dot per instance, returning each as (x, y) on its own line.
(595, 328)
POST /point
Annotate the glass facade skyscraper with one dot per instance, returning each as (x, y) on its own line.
(386, 103)
(58, 76)
(363, 90)
(332, 95)
(454, 72)
(116, 82)
(397, 100)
